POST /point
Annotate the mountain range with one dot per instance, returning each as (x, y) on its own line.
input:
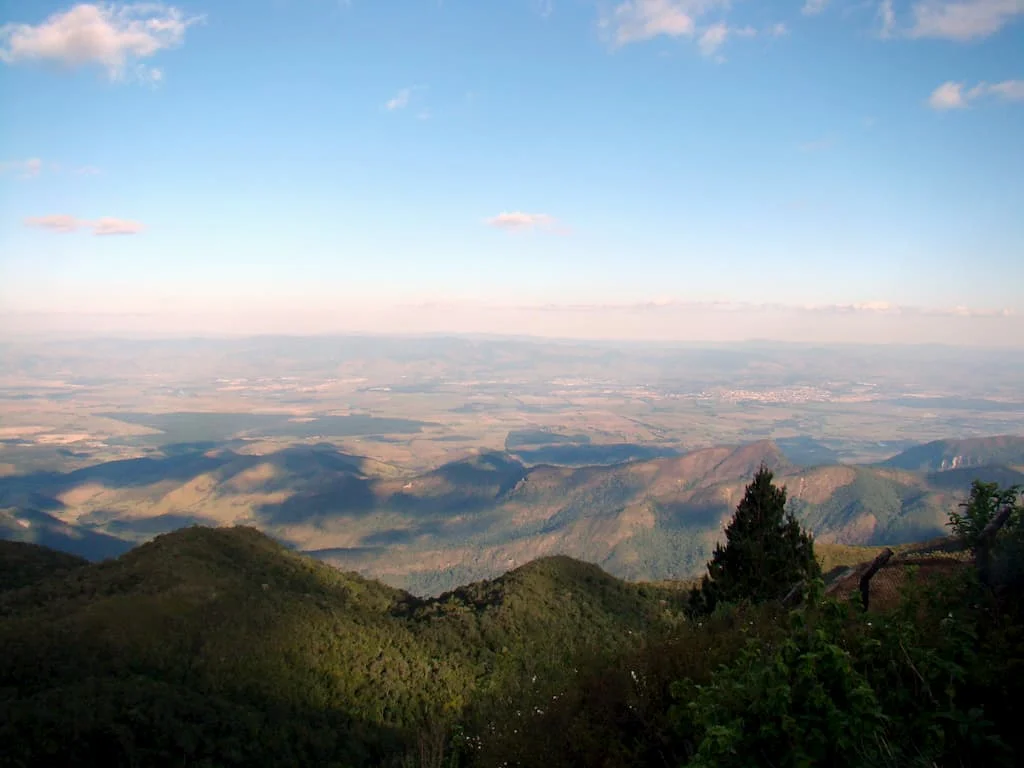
(647, 519)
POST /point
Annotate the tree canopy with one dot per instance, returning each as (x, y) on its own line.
(766, 551)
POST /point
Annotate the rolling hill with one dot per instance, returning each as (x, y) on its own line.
(648, 519)
(24, 564)
(220, 646)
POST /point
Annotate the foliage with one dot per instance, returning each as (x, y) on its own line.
(766, 551)
(797, 701)
(613, 708)
(845, 689)
(220, 648)
(22, 563)
(986, 501)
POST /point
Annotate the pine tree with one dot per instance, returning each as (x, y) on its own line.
(765, 554)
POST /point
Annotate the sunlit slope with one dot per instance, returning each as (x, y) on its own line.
(488, 513)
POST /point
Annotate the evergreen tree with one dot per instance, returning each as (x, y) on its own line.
(766, 551)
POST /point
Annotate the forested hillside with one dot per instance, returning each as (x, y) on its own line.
(227, 647)
(222, 647)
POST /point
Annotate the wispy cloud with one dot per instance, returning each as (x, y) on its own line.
(22, 169)
(957, 20)
(813, 7)
(954, 95)
(711, 39)
(109, 35)
(855, 308)
(517, 221)
(637, 20)
(669, 305)
(1011, 90)
(887, 19)
(962, 19)
(54, 223)
(399, 101)
(87, 170)
(111, 226)
(64, 223)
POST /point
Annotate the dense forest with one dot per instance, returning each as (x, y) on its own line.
(219, 647)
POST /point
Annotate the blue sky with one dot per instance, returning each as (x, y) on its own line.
(306, 165)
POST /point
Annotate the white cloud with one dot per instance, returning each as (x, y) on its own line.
(778, 29)
(24, 169)
(87, 170)
(948, 96)
(103, 226)
(517, 221)
(813, 7)
(400, 100)
(962, 19)
(712, 38)
(110, 35)
(952, 95)
(636, 20)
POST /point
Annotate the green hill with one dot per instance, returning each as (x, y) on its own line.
(22, 564)
(220, 646)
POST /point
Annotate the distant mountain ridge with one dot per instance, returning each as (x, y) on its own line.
(944, 455)
(480, 516)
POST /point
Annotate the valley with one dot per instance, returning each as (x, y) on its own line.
(432, 462)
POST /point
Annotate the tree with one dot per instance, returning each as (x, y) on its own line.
(766, 551)
(987, 500)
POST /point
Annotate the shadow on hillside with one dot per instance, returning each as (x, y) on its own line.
(346, 495)
(686, 515)
(458, 531)
(145, 527)
(590, 454)
(297, 467)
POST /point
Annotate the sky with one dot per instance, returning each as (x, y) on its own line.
(807, 170)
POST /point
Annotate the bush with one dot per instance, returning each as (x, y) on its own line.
(986, 501)
(850, 690)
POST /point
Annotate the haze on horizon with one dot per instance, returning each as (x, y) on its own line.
(676, 170)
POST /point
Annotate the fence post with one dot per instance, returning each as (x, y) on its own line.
(983, 549)
(865, 580)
